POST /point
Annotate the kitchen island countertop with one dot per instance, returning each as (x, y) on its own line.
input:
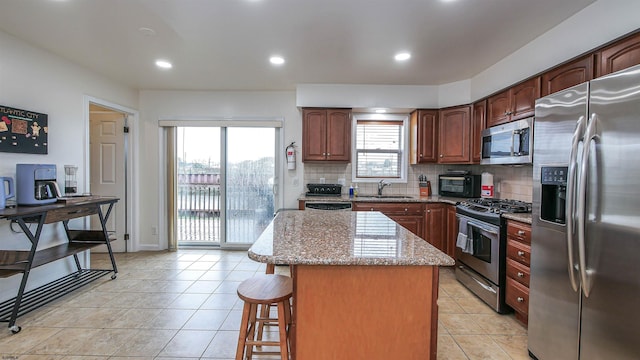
(342, 238)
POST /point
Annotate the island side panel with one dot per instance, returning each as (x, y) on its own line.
(365, 312)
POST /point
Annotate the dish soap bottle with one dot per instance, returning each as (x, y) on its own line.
(355, 191)
(350, 191)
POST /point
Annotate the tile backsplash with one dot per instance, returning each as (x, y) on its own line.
(511, 182)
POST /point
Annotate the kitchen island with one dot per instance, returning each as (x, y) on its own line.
(364, 286)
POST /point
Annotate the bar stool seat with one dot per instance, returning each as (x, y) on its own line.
(264, 289)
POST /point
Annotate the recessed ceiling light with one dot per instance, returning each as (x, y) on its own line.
(403, 56)
(147, 31)
(381, 111)
(276, 60)
(163, 64)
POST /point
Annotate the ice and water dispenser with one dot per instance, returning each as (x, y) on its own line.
(554, 193)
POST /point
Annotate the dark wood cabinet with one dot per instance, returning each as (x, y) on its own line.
(567, 75)
(619, 55)
(516, 103)
(326, 135)
(408, 215)
(424, 137)
(435, 229)
(518, 272)
(478, 123)
(454, 140)
(452, 231)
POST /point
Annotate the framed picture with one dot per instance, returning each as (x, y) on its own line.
(23, 131)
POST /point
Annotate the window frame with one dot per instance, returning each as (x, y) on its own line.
(404, 159)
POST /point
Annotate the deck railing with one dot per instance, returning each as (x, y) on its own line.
(249, 211)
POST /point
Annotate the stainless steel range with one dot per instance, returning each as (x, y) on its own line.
(481, 247)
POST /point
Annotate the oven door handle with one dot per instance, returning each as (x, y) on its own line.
(479, 282)
(482, 227)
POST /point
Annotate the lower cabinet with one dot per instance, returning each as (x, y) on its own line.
(518, 261)
(452, 231)
(435, 229)
(408, 215)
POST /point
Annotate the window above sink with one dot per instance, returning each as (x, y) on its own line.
(380, 148)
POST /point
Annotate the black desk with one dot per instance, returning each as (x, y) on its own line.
(16, 261)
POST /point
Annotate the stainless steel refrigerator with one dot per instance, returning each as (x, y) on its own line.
(585, 249)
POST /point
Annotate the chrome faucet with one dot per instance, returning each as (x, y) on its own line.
(381, 186)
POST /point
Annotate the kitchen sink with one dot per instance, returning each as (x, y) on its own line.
(386, 196)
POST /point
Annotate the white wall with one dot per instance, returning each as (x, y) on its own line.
(176, 105)
(597, 24)
(33, 79)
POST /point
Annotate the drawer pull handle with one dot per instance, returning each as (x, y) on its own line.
(520, 232)
(520, 274)
(521, 253)
(520, 299)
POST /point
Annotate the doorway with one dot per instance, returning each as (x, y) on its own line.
(108, 168)
(225, 184)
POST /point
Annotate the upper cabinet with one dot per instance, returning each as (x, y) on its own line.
(326, 135)
(454, 140)
(620, 55)
(424, 137)
(567, 75)
(515, 103)
(478, 123)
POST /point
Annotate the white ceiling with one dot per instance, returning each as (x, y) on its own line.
(225, 44)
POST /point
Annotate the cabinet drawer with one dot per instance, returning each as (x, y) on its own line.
(519, 231)
(517, 296)
(519, 252)
(67, 213)
(518, 272)
(390, 208)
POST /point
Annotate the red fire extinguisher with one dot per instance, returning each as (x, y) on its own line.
(291, 156)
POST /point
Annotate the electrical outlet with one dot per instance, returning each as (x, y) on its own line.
(322, 180)
(295, 181)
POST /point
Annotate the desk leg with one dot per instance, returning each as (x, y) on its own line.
(34, 238)
(103, 223)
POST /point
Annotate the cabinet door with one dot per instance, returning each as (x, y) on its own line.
(338, 135)
(424, 136)
(452, 230)
(478, 123)
(523, 99)
(314, 134)
(435, 230)
(411, 223)
(620, 55)
(455, 129)
(498, 109)
(568, 75)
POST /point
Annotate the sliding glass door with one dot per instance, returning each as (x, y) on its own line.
(225, 184)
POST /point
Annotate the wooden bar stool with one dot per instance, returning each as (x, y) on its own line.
(264, 290)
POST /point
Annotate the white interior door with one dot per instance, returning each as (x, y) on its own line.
(107, 167)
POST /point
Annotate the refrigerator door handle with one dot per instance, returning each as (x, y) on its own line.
(590, 135)
(571, 191)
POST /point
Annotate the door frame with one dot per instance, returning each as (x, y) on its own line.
(130, 203)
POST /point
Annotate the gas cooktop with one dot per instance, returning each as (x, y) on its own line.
(490, 210)
(498, 205)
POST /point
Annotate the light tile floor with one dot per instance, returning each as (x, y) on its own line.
(183, 305)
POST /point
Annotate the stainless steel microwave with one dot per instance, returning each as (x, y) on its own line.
(510, 143)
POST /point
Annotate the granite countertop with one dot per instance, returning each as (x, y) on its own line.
(342, 238)
(387, 198)
(522, 217)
